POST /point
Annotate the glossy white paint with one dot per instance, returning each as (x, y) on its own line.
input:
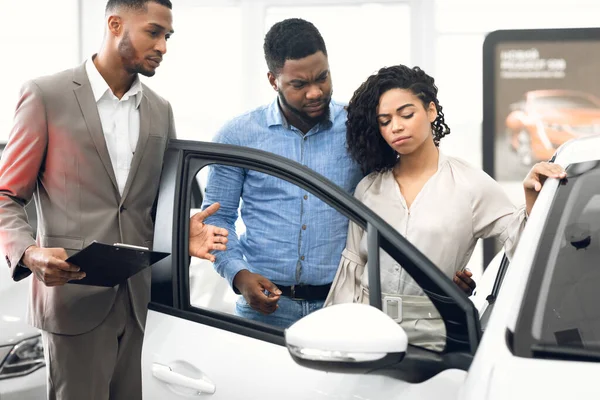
(346, 331)
(13, 329)
(245, 368)
(28, 387)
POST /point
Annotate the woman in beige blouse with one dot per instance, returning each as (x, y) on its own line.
(441, 204)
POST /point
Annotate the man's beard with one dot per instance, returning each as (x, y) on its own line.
(127, 53)
(303, 116)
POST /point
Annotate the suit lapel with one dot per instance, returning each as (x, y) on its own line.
(89, 109)
(145, 117)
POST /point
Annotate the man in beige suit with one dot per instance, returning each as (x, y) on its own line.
(88, 145)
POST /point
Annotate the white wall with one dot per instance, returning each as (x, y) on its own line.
(40, 37)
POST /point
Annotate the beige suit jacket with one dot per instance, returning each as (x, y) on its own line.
(57, 154)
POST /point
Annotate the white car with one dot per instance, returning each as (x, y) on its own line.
(542, 339)
(22, 366)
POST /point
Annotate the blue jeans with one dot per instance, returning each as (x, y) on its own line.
(289, 311)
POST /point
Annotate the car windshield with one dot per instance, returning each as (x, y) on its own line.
(567, 313)
(569, 102)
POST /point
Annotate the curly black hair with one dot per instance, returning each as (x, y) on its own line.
(365, 143)
(291, 39)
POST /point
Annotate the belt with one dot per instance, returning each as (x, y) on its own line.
(305, 292)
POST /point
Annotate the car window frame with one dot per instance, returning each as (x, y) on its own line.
(170, 286)
(493, 296)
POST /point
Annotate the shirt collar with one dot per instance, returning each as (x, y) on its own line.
(275, 115)
(100, 87)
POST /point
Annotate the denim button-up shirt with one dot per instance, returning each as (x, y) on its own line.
(291, 237)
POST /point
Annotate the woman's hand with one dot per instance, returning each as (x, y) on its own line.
(535, 180)
(464, 282)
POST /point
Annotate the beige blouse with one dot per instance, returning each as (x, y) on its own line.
(458, 205)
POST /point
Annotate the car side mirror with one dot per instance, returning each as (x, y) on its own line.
(346, 336)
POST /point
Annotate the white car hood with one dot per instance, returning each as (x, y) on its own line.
(529, 379)
(13, 310)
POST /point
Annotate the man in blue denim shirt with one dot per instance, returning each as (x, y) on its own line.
(285, 262)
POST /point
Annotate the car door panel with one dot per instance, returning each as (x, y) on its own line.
(242, 367)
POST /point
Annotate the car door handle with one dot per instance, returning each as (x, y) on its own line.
(165, 374)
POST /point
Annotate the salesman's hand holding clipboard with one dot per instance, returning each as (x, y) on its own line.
(53, 267)
(110, 265)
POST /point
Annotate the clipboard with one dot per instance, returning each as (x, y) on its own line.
(110, 265)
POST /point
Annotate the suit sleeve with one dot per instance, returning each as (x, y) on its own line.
(172, 133)
(20, 166)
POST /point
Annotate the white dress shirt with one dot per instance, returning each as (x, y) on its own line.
(120, 121)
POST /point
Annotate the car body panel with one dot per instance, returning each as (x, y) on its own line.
(241, 367)
(13, 329)
(522, 378)
(28, 387)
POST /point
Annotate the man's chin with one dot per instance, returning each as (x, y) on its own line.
(147, 72)
(318, 116)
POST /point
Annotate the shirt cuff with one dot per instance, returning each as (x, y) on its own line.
(231, 269)
(15, 260)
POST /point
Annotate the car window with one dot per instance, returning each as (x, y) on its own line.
(566, 275)
(290, 236)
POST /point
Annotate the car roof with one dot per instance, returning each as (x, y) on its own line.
(556, 92)
(578, 150)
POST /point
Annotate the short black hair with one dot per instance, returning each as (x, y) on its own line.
(291, 39)
(365, 143)
(137, 5)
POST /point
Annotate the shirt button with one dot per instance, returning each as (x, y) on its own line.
(303, 227)
(305, 197)
(302, 258)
